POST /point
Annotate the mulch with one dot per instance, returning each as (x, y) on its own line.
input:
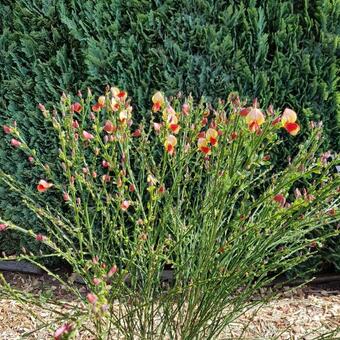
(298, 313)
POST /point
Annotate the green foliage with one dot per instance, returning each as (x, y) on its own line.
(282, 52)
(188, 189)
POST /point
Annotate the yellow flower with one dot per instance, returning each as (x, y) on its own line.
(170, 144)
(158, 98)
(288, 116)
(203, 146)
(255, 116)
(288, 121)
(211, 136)
(101, 101)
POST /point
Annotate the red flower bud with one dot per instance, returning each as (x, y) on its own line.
(61, 331)
(136, 133)
(91, 298)
(75, 124)
(96, 281)
(15, 143)
(41, 107)
(87, 135)
(233, 135)
(66, 196)
(39, 237)
(3, 227)
(7, 129)
(204, 121)
(279, 198)
(185, 109)
(112, 271)
(244, 111)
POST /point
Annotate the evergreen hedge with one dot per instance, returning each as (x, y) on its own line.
(283, 52)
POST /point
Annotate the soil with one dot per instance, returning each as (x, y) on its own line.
(298, 313)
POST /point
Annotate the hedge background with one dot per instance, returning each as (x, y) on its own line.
(283, 52)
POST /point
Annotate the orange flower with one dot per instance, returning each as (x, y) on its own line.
(118, 94)
(96, 107)
(288, 116)
(76, 107)
(158, 101)
(254, 119)
(170, 144)
(211, 136)
(109, 127)
(122, 95)
(288, 120)
(169, 115)
(43, 185)
(203, 146)
(292, 128)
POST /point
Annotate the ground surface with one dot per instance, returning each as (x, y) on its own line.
(299, 314)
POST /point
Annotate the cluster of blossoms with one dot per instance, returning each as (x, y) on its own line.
(170, 121)
(255, 118)
(115, 128)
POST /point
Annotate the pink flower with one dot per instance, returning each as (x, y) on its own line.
(96, 281)
(85, 170)
(125, 205)
(91, 298)
(39, 237)
(43, 185)
(31, 159)
(3, 227)
(185, 109)
(105, 164)
(75, 124)
(106, 178)
(157, 127)
(94, 174)
(112, 271)
(41, 107)
(63, 330)
(95, 260)
(87, 135)
(15, 143)
(66, 196)
(132, 188)
(7, 129)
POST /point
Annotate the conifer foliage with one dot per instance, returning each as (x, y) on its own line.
(283, 52)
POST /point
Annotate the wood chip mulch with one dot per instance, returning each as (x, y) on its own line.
(301, 313)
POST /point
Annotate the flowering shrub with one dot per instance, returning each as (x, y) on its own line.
(186, 189)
